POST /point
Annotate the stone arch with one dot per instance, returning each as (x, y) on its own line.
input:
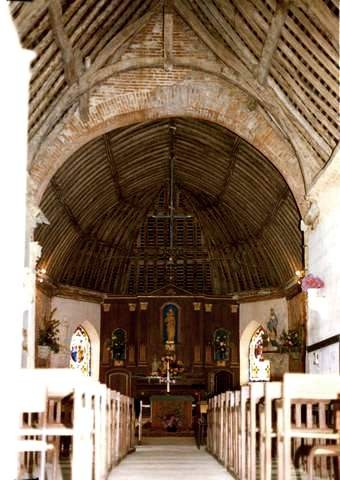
(223, 104)
(244, 350)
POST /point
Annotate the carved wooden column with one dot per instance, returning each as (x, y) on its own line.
(208, 359)
(132, 340)
(196, 334)
(142, 358)
(106, 355)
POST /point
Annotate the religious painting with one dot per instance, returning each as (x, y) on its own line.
(259, 368)
(221, 345)
(80, 351)
(170, 323)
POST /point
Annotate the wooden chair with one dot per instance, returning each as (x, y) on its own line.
(309, 387)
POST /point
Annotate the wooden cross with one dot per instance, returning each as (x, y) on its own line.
(171, 215)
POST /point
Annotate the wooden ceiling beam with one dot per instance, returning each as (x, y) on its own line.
(168, 29)
(230, 168)
(274, 211)
(273, 36)
(328, 21)
(58, 193)
(71, 66)
(30, 13)
(113, 166)
(72, 58)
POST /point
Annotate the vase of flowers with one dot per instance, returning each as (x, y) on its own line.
(311, 281)
(290, 342)
(48, 339)
(176, 367)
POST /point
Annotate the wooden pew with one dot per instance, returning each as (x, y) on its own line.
(272, 391)
(299, 387)
(103, 421)
(245, 395)
(252, 428)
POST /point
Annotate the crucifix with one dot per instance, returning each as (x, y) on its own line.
(171, 215)
(168, 376)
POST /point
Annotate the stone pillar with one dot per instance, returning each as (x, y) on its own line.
(14, 82)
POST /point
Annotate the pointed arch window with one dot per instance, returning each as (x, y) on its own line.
(118, 344)
(80, 351)
(259, 368)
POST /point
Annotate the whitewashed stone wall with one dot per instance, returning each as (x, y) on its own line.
(252, 315)
(323, 240)
(72, 313)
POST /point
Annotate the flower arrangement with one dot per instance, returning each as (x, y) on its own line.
(265, 339)
(221, 343)
(175, 366)
(49, 332)
(311, 281)
(171, 422)
(290, 341)
(116, 344)
(112, 343)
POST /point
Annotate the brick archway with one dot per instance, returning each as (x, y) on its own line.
(225, 105)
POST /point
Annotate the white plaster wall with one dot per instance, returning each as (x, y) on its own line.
(252, 315)
(324, 261)
(260, 312)
(325, 360)
(72, 313)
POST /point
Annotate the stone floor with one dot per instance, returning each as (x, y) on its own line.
(176, 458)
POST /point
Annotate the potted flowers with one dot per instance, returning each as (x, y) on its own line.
(290, 341)
(311, 281)
(48, 339)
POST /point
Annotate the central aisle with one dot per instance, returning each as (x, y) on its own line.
(169, 458)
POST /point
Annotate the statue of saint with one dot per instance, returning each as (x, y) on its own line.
(170, 326)
(272, 325)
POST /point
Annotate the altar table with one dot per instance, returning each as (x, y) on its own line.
(171, 413)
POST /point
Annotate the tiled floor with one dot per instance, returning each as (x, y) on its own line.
(169, 459)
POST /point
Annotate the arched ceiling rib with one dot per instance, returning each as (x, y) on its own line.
(242, 233)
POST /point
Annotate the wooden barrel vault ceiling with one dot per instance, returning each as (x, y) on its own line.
(107, 206)
(241, 232)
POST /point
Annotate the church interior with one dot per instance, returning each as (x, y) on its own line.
(175, 182)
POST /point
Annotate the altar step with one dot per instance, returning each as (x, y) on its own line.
(165, 458)
(154, 432)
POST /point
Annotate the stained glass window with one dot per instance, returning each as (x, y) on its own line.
(119, 338)
(80, 351)
(221, 344)
(259, 368)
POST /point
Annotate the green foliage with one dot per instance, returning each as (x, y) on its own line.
(290, 341)
(49, 332)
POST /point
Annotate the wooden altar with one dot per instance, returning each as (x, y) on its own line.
(171, 413)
